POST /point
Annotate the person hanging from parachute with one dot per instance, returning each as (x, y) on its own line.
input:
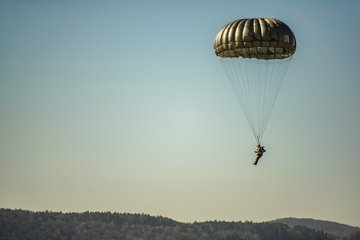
(255, 54)
(259, 153)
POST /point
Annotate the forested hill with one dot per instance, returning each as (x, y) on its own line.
(28, 225)
(336, 229)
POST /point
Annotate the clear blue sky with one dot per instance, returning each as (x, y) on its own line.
(123, 106)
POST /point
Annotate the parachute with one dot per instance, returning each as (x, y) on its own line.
(255, 54)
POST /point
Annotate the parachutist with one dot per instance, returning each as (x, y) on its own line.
(259, 152)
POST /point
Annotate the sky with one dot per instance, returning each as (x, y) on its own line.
(123, 106)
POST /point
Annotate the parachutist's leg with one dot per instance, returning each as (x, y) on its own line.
(257, 159)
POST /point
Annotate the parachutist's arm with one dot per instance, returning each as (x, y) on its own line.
(263, 149)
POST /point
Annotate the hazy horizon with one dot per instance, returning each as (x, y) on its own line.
(123, 106)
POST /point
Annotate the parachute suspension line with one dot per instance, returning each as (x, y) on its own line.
(256, 83)
(260, 79)
(276, 82)
(250, 68)
(258, 94)
(252, 87)
(236, 79)
(250, 76)
(256, 89)
(247, 79)
(268, 79)
(247, 96)
(265, 93)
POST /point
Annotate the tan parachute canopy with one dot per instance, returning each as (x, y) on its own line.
(261, 38)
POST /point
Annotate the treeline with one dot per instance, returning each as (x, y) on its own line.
(28, 225)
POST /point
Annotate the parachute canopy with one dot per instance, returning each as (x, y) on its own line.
(261, 38)
(255, 54)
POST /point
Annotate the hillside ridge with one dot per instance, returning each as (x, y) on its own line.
(30, 225)
(331, 227)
